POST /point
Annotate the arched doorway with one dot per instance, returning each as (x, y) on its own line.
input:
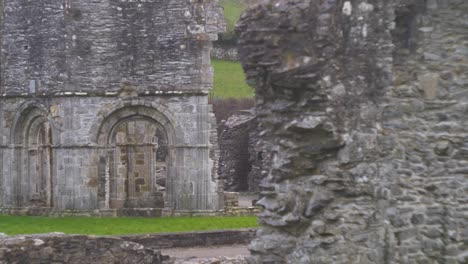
(137, 164)
(34, 159)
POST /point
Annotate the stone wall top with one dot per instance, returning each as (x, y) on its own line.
(74, 249)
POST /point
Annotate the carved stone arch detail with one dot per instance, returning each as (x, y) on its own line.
(112, 113)
(128, 168)
(27, 113)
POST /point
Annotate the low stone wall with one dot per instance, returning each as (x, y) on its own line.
(221, 52)
(143, 212)
(231, 199)
(47, 211)
(60, 248)
(243, 211)
(57, 248)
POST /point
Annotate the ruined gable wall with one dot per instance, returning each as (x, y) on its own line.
(362, 102)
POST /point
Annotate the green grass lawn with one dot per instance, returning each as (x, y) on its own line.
(13, 225)
(229, 81)
(232, 11)
(229, 78)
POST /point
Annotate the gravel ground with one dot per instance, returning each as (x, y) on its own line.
(209, 255)
(233, 254)
(245, 200)
(218, 260)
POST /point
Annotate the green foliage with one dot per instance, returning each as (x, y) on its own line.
(229, 81)
(232, 11)
(13, 225)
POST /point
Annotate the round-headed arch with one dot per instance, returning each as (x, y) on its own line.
(121, 112)
(29, 116)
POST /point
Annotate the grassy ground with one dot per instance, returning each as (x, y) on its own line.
(13, 225)
(229, 81)
(232, 11)
(229, 78)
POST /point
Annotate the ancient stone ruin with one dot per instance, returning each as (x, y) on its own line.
(75, 249)
(364, 104)
(104, 106)
(243, 158)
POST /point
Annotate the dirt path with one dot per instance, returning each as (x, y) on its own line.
(207, 252)
(246, 200)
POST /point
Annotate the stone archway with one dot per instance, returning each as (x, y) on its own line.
(34, 157)
(137, 164)
(136, 171)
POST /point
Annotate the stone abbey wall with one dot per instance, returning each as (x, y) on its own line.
(103, 105)
(363, 104)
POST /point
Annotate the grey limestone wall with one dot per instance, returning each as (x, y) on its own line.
(74, 72)
(363, 104)
(56, 248)
(234, 158)
(76, 125)
(243, 157)
(58, 46)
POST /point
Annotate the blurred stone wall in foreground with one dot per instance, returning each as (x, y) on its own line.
(364, 106)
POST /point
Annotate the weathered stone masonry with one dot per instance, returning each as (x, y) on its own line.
(364, 106)
(103, 104)
(243, 158)
(74, 249)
